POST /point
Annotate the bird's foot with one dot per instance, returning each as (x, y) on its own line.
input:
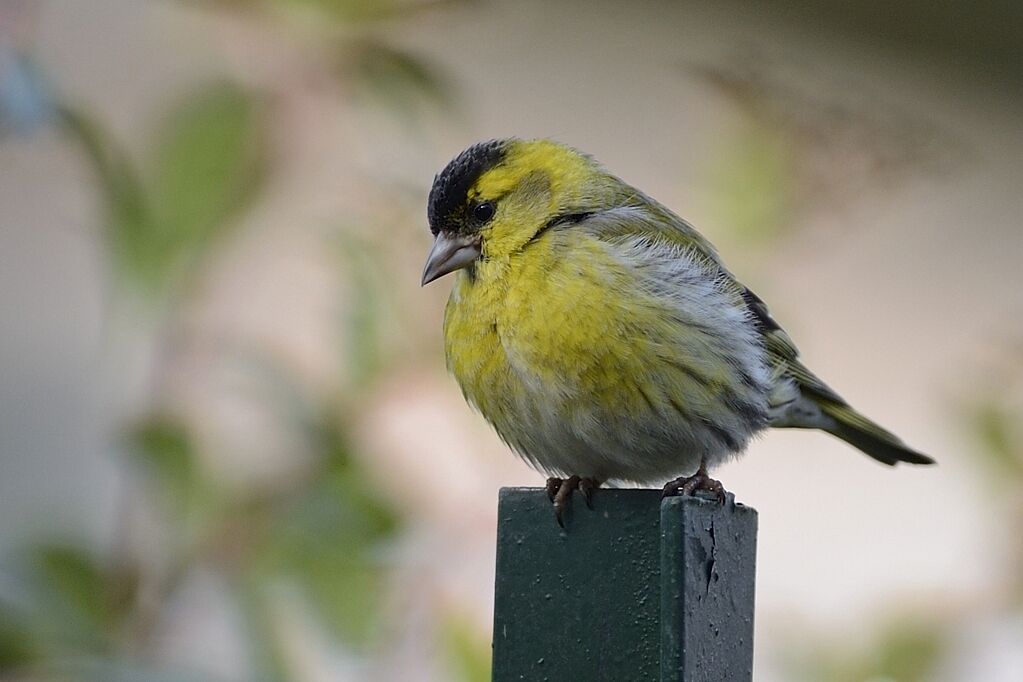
(688, 485)
(559, 491)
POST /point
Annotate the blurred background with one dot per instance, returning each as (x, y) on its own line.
(229, 449)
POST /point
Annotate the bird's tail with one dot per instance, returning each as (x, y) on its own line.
(857, 430)
(804, 401)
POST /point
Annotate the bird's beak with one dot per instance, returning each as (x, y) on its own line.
(449, 253)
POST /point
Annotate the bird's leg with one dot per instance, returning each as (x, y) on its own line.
(687, 485)
(559, 491)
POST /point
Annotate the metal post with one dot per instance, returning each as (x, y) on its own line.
(634, 589)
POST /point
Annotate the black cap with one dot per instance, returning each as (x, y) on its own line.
(447, 202)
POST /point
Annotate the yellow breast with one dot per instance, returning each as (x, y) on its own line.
(556, 325)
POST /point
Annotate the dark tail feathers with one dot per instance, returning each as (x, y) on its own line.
(857, 430)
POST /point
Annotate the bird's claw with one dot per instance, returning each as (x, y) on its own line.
(688, 485)
(586, 487)
(553, 485)
(559, 492)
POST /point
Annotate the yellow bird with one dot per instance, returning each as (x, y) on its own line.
(601, 335)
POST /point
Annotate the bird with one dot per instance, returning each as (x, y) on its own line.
(602, 336)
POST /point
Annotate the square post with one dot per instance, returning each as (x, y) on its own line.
(634, 589)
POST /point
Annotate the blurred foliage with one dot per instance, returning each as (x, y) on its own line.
(993, 418)
(903, 650)
(70, 604)
(351, 11)
(327, 15)
(329, 539)
(401, 82)
(206, 166)
(325, 533)
(18, 647)
(363, 316)
(468, 650)
(377, 323)
(71, 582)
(321, 534)
(753, 182)
(998, 429)
(164, 448)
(806, 141)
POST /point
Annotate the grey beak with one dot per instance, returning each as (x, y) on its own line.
(450, 253)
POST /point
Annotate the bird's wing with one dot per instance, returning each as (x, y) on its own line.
(783, 351)
(642, 216)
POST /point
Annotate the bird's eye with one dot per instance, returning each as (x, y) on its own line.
(483, 212)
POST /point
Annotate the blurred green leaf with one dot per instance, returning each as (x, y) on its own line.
(329, 539)
(468, 651)
(265, 652)
(907, 649)
(208, 165)
(164, 447)
(129, 219)
(997, 430)
(753, 181)
(116, 668)
(69, 605)
(76, 577)
(910, 651)
(403, 82)
(352, 11)
(73, 608)
(344, 474)
(18, 646)
(346, 594)
(362, 312)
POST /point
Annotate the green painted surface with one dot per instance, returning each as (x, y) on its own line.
(601, 600)
(708, 572)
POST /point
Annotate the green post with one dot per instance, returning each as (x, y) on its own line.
(634, 589)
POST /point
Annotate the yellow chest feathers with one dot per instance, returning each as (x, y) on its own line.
(582, 319)
(531, 322)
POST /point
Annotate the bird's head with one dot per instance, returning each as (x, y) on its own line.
(495, 197)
